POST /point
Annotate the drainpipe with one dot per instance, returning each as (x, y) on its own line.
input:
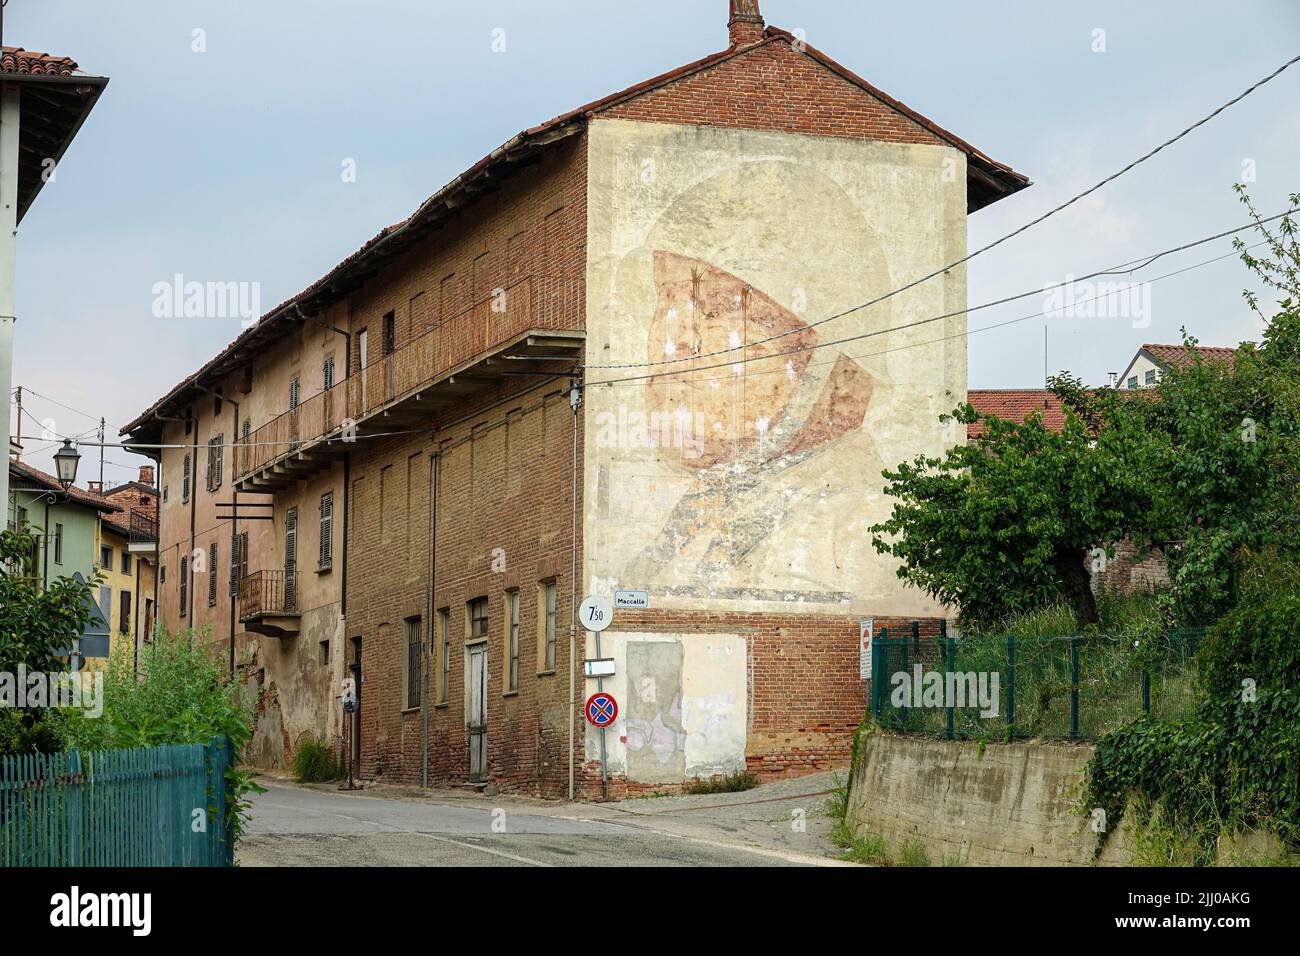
(575, 401)
(431, 599)
(234, 513)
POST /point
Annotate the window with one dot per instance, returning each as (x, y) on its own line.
(212, 574)
(478, 618)
(293, 394)
(327, 374)
(1151, 376)
(245, 452)
(326, 529)
(124, 612)
(216, 458)
(234, 563)
(106, 602)
(185, 481)
(512, 642)
(546, 602)
(58, 543)
(412, 663)
(390, 333)
(106, 558)
(444, 629)
(126, 562)
(162, 574)
(1133, 382)
(243, 555)
(291, 560)
(325, 653)
(183, 586)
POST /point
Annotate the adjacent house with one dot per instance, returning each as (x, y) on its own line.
(597, 361)
(68, 534)
(128, 559)
(1151, 361)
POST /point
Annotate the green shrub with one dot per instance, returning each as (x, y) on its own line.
(183, 695)
(912, 853)
(314, 762)
(731, 783)
(1234, 764)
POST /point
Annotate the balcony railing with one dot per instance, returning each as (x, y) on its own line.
(266, 592)
(533, 303)
(144, 527)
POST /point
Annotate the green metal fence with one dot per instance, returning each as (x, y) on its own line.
(1070, 687)
(159, 806)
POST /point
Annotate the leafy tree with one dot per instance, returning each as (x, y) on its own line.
(35, 625)
(1001, 525)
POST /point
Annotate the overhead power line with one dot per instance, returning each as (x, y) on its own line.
(992, 245)
(731, 363)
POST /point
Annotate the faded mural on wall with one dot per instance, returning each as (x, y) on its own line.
(716, 482)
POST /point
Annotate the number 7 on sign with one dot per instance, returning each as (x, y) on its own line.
(595, 613)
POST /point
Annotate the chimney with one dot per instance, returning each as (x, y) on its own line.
(746, 23)
(95, 487)
(146, 475)
(1114, 378)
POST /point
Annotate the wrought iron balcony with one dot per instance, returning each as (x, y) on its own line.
(532, 327)
(268, 603)
(143, 534)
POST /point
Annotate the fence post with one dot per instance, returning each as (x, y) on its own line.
(949, 652)
(877, 668)
(1011, 687)
(71, 819)
(1074, 688)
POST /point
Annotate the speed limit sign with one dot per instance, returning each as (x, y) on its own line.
(595, 613)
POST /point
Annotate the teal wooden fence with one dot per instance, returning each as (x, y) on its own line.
(158, 806)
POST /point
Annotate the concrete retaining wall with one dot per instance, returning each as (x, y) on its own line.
(1009, 806)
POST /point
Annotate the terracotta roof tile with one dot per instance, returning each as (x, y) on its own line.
(1015, 404)
(79, 495)
(1181, 356)
(14, 59)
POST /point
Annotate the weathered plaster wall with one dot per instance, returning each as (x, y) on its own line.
(1009, 806)
(752, 486)
(684, 705)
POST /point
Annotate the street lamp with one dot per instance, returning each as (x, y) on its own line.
(65, 464)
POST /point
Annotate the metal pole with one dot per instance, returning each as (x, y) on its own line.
(575, 401)
(9, 119)
(949, 652)
(1011, 687)
(1074, 688)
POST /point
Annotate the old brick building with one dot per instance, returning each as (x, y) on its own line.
(596, 360)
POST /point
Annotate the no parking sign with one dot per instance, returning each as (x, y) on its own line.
(602, 709)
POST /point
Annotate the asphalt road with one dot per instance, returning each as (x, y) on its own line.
(298, 826)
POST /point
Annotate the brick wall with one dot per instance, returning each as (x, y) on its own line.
(774, 87)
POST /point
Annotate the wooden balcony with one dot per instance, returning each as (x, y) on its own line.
(268, 604)
(533, 328)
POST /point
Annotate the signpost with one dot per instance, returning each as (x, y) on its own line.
(600, 667)
(349, 697)
(596, 614)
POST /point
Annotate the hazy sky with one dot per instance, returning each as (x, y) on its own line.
(225, 165)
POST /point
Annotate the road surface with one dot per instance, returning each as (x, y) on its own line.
(776, 825)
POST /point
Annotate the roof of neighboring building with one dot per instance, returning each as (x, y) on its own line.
(50, 483)
(48, 120)
(1016, 405)
(988, 180)
(14, 59)
(127, 497)
(1182, 356)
